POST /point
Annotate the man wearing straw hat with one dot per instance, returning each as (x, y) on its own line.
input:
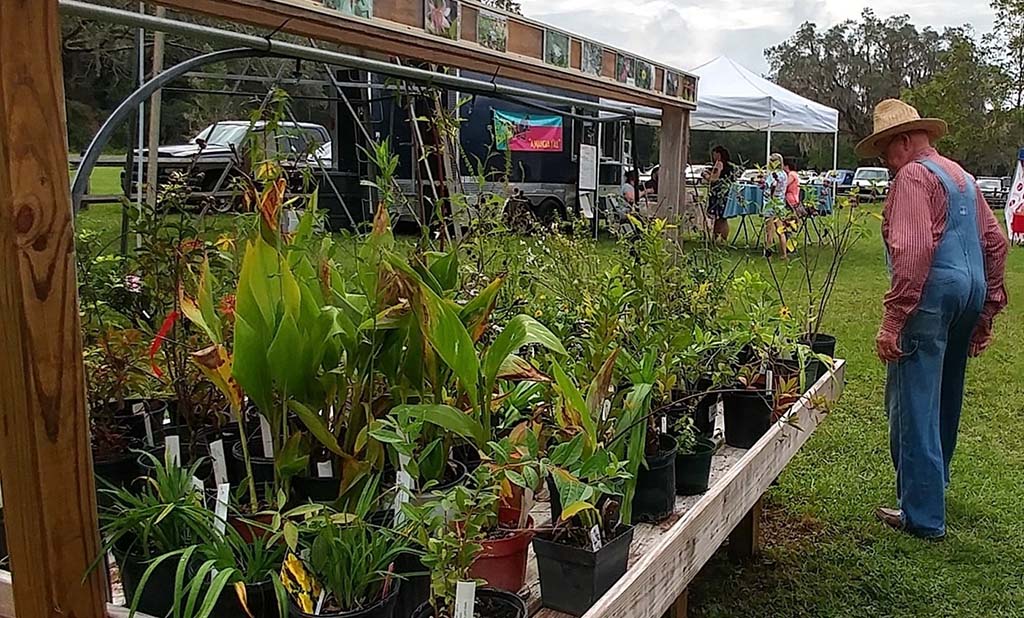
(946, 257)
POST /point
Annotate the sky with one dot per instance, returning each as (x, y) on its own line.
(687, 33)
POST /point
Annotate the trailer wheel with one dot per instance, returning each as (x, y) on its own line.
(550, 211)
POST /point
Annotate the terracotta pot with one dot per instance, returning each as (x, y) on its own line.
(502, 562)
(249, 526)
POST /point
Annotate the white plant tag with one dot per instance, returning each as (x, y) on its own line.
(324, 469)
(172, 449)
(606, 408)
(720, 407)
(139, 408)
(320, 602)
(148, 423)
(220, 509)
(595, 538)
(405, 486)
(220, 464)
(465, 599)
(197, 484)
(524, 514)
(268, 439)
(770, 382)
(664, 424)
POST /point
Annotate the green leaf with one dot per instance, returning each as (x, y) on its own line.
(575, 508)
(291, 535)
(450, 339)
(446, 417)
(250, 368)
(520, 330)
(316, 426)
(445, 268)
(285, 357)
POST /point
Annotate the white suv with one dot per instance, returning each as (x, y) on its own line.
(871, 181)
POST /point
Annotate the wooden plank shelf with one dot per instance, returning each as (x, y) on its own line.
(664, 558)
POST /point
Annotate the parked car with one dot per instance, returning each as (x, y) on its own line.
(872, 182)
(220, 152)
(992, 189)
(695, 173)
(752, 175)
(841, 179)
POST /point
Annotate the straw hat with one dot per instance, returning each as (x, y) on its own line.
(893, 117)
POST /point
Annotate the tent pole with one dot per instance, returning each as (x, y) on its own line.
(771, 119)
(835, 161)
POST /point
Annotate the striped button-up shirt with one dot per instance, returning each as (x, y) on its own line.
(914, 220)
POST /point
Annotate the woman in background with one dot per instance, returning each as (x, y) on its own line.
(720, 178)
(776, 183)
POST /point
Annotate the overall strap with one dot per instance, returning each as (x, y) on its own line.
(963, 198)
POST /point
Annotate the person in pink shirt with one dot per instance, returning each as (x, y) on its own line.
(947, 260)
(792, 186)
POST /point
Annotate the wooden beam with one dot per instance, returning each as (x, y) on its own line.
(745, 539)
(7, 602)
(680, 607)
(309, 19)
(654, 583)
(49, 506)
(672, 157)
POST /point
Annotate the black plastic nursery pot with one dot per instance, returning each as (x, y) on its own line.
(384, 608)
(157, 598)
(262, 467)
(490, 603)
(820, 343)
(259, 598)
(117, 470)
(318, 489)
(133, 418)
(572, 579)
(655, 496)
(693, 469)
(415, 590)
(748, 416)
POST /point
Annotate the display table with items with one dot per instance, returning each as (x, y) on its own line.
(748, 199)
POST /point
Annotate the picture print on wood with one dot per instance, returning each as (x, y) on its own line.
(644, 75)
(358, 8)
(441, 18)
(556, 48)
(593, 58)
(624, 69)
(671, 84)
(492, 30)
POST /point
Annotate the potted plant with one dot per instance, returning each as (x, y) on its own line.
(144, 529)
(451, 528)
(693, 459)
(343, 567)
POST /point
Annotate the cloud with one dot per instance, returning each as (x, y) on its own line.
(687, 33)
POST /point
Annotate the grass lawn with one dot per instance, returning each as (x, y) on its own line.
(825, 555)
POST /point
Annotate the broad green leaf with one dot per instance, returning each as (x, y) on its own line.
(575, 508)
(520, 330)
(250, 368)
(316, 426)
(291, 535)
(450, 339)
(476, 313)
(286, 358)
(446, 417)
(445, 268)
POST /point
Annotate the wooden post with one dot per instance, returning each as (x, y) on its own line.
(155, 107)
(745, 540)
(679, 607)
(50, 506)
(672, 158)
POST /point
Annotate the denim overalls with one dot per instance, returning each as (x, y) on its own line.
(925, 388)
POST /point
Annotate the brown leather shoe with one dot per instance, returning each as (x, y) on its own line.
(890, 517)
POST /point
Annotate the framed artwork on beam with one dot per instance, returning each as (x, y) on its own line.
(625, 69)
(556, 48)
(441, 18)
(492, 30)
(644, 77)
(593, 58)
(359, 8)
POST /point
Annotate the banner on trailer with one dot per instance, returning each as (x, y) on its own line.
(527, 132)
(1015, 202)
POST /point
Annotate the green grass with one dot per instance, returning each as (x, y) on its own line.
(825, 555)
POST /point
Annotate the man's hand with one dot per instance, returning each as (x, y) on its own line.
(981, 339)
(887, 345)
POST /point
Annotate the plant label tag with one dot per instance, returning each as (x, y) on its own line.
(197, 485)
(465, 599)
(770, 382)
(524, 514)
(268, 439)
(220, 464)
(148, 423)
(405, 486)
(138, 408)
(172, 450)
(606, 408)
(664, 424)
(720, 408)
(320, 602)
(220, 509)
(595, 538)
(324, 469)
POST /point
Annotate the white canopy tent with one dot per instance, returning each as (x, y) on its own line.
(732, 98)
